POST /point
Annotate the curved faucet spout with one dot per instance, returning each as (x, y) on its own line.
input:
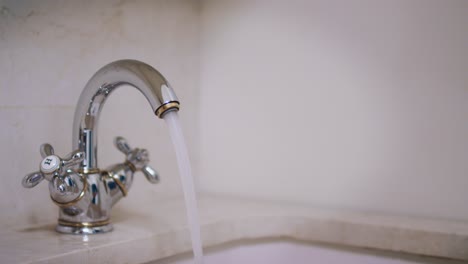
(143, 77)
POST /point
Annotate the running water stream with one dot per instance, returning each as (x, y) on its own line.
(185, 172)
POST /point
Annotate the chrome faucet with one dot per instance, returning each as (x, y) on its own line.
(84, 193)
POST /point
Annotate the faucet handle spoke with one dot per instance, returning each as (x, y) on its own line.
(32, 179)
(151, 174)
(73, 159)
(46, 150)
(122, 145)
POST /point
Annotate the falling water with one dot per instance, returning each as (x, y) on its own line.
(185, 172)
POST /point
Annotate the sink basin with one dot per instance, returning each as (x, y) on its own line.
(292, 252)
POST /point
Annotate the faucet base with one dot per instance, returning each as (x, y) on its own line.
(83, 228)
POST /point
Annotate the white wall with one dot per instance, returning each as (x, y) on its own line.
(50, 49)
(345, 104)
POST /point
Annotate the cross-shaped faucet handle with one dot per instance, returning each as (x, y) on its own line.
(51, 165)
(138, 158)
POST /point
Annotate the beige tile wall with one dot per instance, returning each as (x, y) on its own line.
(50, 49)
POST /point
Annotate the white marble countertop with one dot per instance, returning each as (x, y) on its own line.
(158, 229)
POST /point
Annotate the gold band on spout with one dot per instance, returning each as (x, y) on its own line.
(165, 107)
